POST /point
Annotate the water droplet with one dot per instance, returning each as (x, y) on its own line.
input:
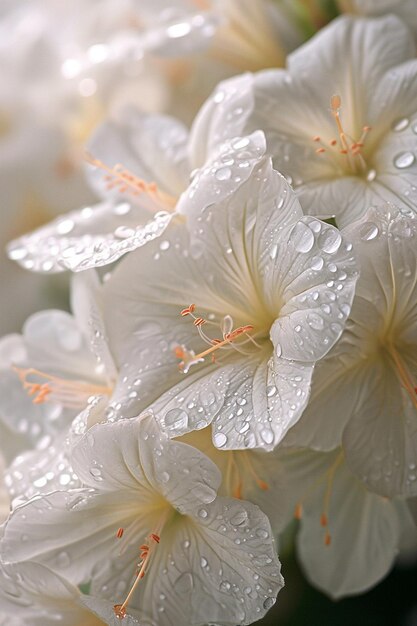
(203, 562)
(316, 263)
(96, 473)
(267, 435)
(369, 231)
(371, 175)
(268, 603)
(219, 439)
(176, 419)
(165, 477)
(224, 586)
(315, 321)
(240, 143)
(278, 350)
(65, 226)
(404, 160)
(400, 124)
(329, 240)
(274, 251)
(203, 513)
(240, 518)
(223, 173)
(271, 391)
(164, 245)
(302, 237)
(63, 560)
(262, 533)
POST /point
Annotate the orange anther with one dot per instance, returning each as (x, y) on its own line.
(119, 533)
(298, 512)
(199, 321)
(327, 539)
(188, 310)
(179, 352)
(336, 102)
(333, 142)
(119, 611)
(237, 493)
(323, 519)
(262, 485)
(155, 538)
(320, 150)
(316, 138)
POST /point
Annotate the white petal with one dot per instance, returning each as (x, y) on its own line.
(219, 567)
(152, 147)
(319, 275)
(364, 537)
(91, 237)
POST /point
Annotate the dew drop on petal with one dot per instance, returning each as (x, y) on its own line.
(223, 173)
(404, 160)
(219, 440)
(176, 419)
(369, 231)
(315, 321)
(329, 240)
(400, 124)
(302, 237)
(271, 391)
(268, 603)
(371, 175)
(316, 263)
(203, 513)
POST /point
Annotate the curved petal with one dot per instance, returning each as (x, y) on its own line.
(92, 237)
(364, 533)
(205, 569)
(153, 147)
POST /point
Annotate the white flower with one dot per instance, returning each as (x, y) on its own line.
(349, 537)
(201, 558)
(340, 122)
(140, 197)
(249, 291)
(364, 392)
(33, 594)
(50, 372)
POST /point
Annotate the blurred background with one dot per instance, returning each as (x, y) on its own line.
(67, 65)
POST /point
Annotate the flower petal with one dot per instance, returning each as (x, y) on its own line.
(91, 237)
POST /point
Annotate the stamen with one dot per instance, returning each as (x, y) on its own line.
(348, 147)
(235, 476)
(119, 533)
(404, 375)
(145, 552)
(298, 512)
(70, 393)
(119, 177)
(188, 357)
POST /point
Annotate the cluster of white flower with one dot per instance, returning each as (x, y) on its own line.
(247, 356)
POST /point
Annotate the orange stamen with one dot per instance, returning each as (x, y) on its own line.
(124, 180)
(298, 512)
(119, 533)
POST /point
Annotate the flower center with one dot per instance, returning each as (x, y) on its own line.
(228, 341)
(350, 149)
(118, 177)
(73, 394)
(328, 478)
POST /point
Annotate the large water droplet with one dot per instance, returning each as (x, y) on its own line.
(176, 419)
(369, 231)
(219, 440)
(329, 240)
(400, 124)
(302, 237)
(268, 603)
(240, 518)
(404, 160)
